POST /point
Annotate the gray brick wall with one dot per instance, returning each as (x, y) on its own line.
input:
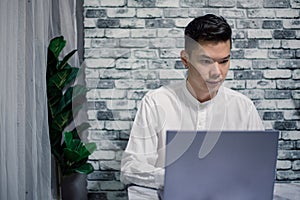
(132, 46)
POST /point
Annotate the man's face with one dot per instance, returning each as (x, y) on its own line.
(208, 65)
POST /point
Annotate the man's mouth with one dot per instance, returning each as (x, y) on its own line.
(214, 83)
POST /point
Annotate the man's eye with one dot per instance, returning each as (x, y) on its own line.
(206, 62)
(223, 62)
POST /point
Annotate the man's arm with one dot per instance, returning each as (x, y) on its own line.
(139, 159)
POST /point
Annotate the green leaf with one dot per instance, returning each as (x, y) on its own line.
(64, 62)
(72, 94)
(62, 119)
(86, 168)
(56, 45)
(70, 155)
(68, 137)
(63, 78)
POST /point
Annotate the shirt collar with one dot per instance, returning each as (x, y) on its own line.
(194, 101)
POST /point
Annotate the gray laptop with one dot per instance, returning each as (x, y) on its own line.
(227, 165)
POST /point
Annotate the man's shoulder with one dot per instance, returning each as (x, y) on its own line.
(169, 90)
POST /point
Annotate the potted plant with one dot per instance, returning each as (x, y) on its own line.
(65, 100)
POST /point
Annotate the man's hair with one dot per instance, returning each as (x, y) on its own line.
(207, 28)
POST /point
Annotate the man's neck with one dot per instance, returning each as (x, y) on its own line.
(202, 95)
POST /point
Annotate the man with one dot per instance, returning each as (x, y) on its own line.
(198, 103)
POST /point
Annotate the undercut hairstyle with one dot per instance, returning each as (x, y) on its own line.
(207, 28)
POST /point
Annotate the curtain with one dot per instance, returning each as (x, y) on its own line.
(26, 29)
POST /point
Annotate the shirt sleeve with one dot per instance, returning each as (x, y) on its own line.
(255, 122)
(140, 156)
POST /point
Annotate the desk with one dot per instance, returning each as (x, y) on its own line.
(287, 191)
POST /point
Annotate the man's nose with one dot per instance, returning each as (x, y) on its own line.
(215, 71)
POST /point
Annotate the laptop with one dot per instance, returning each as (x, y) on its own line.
(226, 165)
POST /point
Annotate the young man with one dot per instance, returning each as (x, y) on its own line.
(198, 103)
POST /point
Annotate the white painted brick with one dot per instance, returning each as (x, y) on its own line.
(256, 53)
(259, 34)
(261, 13)
(120, 12)
(91, 3)
(117, 33)
(167, 3)
(170, 53)
(131, 64)
(240, 64)
(130, 84)
(100, 63)
(95, 164)
(233, 13)
(143, 33)
(89, 23)
(117, 125)
(108, 165)
(234, 84)
(296, 94)
(268, 124)
(277, 73)
(170, 33)
(292, 44)
(96, 125)
(112, 2)
(295, 4)
(283, 164)
(149, 12)
(92, 114)
(162, 43)
(137, 42)
(288, 104)
(93, 185)
(265, 104)
(291, 135)
(176, 12)
(287, 13)
(249, 3)
(112, 185)
(93, 33)
(95, 94)
(195, 12)
(182, 22)
(98, 135)
(296, 165)
(115, 74)
(132, 23)
(91, 73)
(119, 155)
(291, 23)
(230, 75)
(291, 114)
(121, 104)
(105, 42)
(87, 43)
(296, 74)
(261, 84)
(147, 54)
(267, 44)
(103, 155)
(145, 74)
(172, 74)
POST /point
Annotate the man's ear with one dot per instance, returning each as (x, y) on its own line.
(184, 58)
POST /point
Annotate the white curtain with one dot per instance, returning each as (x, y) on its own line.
(26, 28)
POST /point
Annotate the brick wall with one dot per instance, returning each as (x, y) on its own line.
(132, 46)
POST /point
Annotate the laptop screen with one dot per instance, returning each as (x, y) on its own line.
(231, 165)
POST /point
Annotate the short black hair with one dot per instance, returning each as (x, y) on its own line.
(208, 28)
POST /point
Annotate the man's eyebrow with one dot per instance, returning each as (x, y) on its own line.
(205, 56)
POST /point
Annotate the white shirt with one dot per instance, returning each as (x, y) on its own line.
(174, 108)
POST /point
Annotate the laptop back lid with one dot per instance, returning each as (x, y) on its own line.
(241, 165)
